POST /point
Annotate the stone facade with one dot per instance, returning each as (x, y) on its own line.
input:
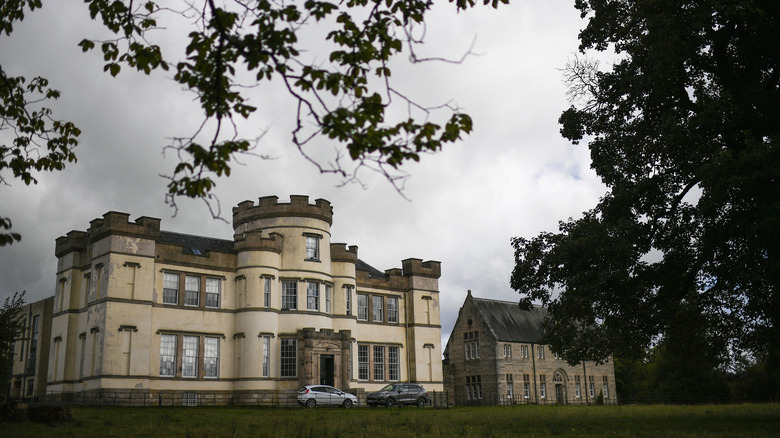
(31, 350)
(156, 313)
(493, 356)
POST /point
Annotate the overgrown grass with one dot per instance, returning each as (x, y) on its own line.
(533, 421)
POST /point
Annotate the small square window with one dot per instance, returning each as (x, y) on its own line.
(189, 366)
(312, 296)
(267, 293)
(392, 309)
(378, 308)
(312, 248)
(191, 291)
(167, 355)
(288, 357)
(327, 298)
(213, 288)
(170, 288)
(362, 305)
(379, 362)
(211, 357)
(362, 362)
(289, 295)
(189, 399)
(348, 297)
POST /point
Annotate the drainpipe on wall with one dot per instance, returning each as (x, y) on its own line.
(409, 346)
(497, 352)
(28, 337)
(533, 362)
(586, 383)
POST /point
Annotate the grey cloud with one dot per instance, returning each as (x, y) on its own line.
(514, 175)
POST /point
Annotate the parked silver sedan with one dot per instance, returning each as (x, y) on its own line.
(324, 395)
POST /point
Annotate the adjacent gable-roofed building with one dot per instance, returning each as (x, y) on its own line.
(153, 316)
(494, 356)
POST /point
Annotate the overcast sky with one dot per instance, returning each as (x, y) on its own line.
(513, 176)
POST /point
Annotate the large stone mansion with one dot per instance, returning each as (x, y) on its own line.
(144, 312)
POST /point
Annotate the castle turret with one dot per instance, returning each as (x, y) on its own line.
(284, 273)
(269, 210)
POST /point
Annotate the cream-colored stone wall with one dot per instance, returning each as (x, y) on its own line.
(253, 266)
(60, 325)
(294, 242)
(343, 275)
(252, 324)
(66, 262)
(117, 317)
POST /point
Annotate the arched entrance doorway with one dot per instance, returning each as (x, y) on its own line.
(560, 380)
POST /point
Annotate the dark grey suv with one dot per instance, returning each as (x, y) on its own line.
(399, 394)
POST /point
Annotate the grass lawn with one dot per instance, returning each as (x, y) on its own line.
(596, 421)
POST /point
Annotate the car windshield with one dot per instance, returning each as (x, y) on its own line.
(389, 388)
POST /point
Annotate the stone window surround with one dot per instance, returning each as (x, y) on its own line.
(317, 247)
(370, 307)
(474, 387)
(387, 346)
(201, 353)
(305, 288)
(292, 360)
(348, 290)
(265, 353)
(201, 291)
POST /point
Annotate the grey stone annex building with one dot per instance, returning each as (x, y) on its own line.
(494, 356)
(31, 350)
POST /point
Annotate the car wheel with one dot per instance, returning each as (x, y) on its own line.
(390, 402)
(347, 403)
(311, 403)
(421, 402)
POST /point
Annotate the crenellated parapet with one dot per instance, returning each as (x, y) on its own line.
(73, 241)
(417, 267)
(392, 280)
(118, 223)
(409, 275)
(309, 334)
(340, 253)
(270, 207)
(111, 223)
(254, 241)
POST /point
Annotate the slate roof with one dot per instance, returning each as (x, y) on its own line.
(200, 245)
(372, 271)
(507, 322)
(197, 245)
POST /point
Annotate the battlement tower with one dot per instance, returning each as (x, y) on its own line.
(269, 210)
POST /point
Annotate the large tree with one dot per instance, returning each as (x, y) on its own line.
(340, 82)
(683, 129)
(11, 329)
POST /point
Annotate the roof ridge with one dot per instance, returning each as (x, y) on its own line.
(506, 302)
(195, 235)
(506, 321)
(485, 320)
